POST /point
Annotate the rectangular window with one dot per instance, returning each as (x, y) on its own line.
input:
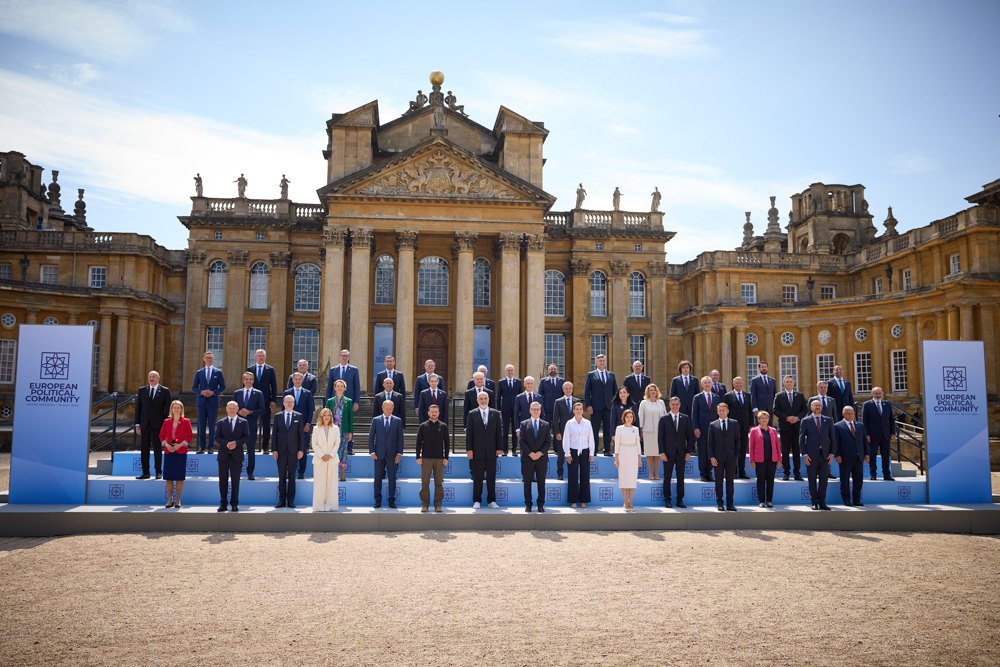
(752, 362)
(827, 292)
(256, 340)
(638, 247)
(305, 345)
(5, 273)
(383, 337)
(215, 339)
(907, 283)
(824, 366)
(748, 292)
(637, 350)
(98, 277)
(598, 345)
(899, 384)
(788, 364)
(482, 347)
(49, 274)
(8, 354)
(260, 236)
(555, 350)
(955, 263)
(598, 246)
(862, 372)
(789, 293)
(877, 288)
(218, 236)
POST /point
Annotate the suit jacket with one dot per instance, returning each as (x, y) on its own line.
(425, 401)
(421, 383)
(254, 403)
(487, 382)
(756, 445)
(308, 382)
(675, 442)
(617, 410)
(841, 397)
(816, 442)
(217, 384)
(880, 427)
(831, 406)
(851, 448)
(223, 434)
(561, 414)
(291, 440)
(483, 440)
(597, 394)
(550, 392)
(305, 405)
(724, 447)
(268, 383)
(762, 392)
(636, 388)
(719, 388)
(385, 442)
(685, 394)
(522, 406)
(741, 412)
(350, 376)
(530, 442)
(151, 413)
(703, 413)
(398, 405)
(506, 395)
(398, 382)
(797, 407)
(472, 404)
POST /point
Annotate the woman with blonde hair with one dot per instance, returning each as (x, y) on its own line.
(650, 411)
(627, 457)
(765, 457)
(175, 436)
(342, 408)
(325, 442)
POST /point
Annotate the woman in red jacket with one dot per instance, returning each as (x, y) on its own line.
(175, 436)
(765, 457)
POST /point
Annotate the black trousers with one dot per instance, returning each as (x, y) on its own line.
(790, 445)
(819, 475)
(880, 448)
(741, 460)
(484, 468)
(286, 477)
(560, 458)
(265, 435)
(305, 457)
(704, 460)
(725, 469)
(534, 469)
(579, 476)
(765, 480)
(229, 471)
(851, 472)
(602, 418)
(385, 468)
(509, 426)
(251, 444)
(150, 439)
(668, 471)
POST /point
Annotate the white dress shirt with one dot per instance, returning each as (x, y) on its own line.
(578, 436)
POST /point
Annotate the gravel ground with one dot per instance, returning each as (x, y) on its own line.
(440, 598)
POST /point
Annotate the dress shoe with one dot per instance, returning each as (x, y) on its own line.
(824, 506)
(291, 505)
(234, 508)
(855, 504)
(771, 505)
(159, 475)
(583, 505)
(350, 451)
(560, 477)
(541, 509)
(798, 478)
(680, 504)
(177, 505)
(763, 504)
(168, 505)
(815, 506)
(280, 505)
(251, 478)
(302, 475)
(831, 477)
(494, 506)
(784, 478)
(222, 508)
(874, 478)
(392, 506)
(730, 508)
(423, 508)
(721, 508)
(890, 479)
(476, 506)
(145, 476)
(527, 508)
(848, 503)
(377, 505)
(668, 504)
(437, 508)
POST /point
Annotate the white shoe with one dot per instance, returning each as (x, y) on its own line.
(476, 506)
(494, 506)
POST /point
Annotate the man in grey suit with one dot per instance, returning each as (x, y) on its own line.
(308, 379)
(290, 444)
(483, 444)
(385, 445)
(816, 443)
(562, 412)
(723, 448)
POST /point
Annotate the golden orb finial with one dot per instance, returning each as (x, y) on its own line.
(437, 78)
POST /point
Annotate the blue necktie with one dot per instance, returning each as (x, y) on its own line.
(535, 421)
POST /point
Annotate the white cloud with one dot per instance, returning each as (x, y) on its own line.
(77, 74)
(911, 162)
(630, 37)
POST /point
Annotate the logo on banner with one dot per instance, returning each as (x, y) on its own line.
(502, 494)
(904, 493)
(342, 494)
(606, 494)
(955, 399)
(449, 494)
(553, 493)
(954, 378)
(656, 493)
(707, 493)
(53, 366)
(116, 492)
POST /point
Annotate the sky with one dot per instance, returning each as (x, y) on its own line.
(720, 104)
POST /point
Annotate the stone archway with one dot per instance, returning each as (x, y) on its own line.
(841, 244)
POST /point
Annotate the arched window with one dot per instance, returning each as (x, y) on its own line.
(432, 282)
(636, 295)
(555, 294)
(385, 281)
(259, 274)
(841, 244)
(217, 285)
(481, 283)
(598, 294)
(307, 288)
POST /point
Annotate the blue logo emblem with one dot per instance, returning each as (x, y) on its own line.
(502, 494)
(553, 493)
(593, 467)
(804, 493)
(656, 493)
(606, 493)
(137, 464)
(342, 494)
(347, 469)
(753, 494)
(955, 378)
(449, 494)
(904, 493)
(688, 468)
(117, 491)
(54, 366)
(707, 493)
(447, 468)
(192, 464)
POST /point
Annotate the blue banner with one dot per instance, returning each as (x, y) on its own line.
(381, 347)
(52, 414)
(482, 338)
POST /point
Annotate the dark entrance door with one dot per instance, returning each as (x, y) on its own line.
(432, 343)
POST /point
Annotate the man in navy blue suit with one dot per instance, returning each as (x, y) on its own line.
(551, 388)
(790, 407)
(675, 439)
(881, 427)
(432, 396)
(290, 445)
(389, 393)
(762, 391)
(598, 393)
(840, 389)
(208, 384)
(483, 446)
(723, 449)
(508, 389)
(684, 386)
(705, 410)
(305, 406)
(385, 445)
(850, 448)
(349, 374)
(718, 386)
(266, 380)
(816, 443)
(152, 408)
(422, 382)
(522, 404)
(308, 379)
(535, 442)
(398, 381)
(251, 406)
(487, 382)
(636, 382)
(231, 433)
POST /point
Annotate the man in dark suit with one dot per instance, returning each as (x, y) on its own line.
(684, 386)
(385, 445)
(522, 404)
(535, 442)
(432, 396)
(829, 405)
(599, 391)
(717, 386)
(308, 379)
(551, 388)
(389, 393)
(349, 374)
(723, 448)
(208, 384)
(636, 382)
(305, 406)
(704, 410)
(483, 437)
(472, 393)
(840, 389)
(290, 445)
(487, 382)
(422, 381)
(740, 410)
(252, 407)
(762, 392)
(880, 426)
(789, 408)
(816, 443)
(676, 442)
(152, 408)
(231, 433)
(562, 412)
(398, 381)
(850, 448)
(266, 380)
(508, 389)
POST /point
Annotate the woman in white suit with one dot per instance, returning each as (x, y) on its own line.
(650, 411)
(325, 440)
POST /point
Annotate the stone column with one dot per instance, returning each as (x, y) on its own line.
(361, 260)
(911, 339)
(987, 325)
(619, 361)
(235, 352)
(657, 354)
(941, 325)
(841, 358)
(726, 354)
(104, 364)
(579, 306)
(406, 245)
(806, 363)
(151, 334)
(741, 356)
(875, 332)
(332, 312)
(159, 343)
(968, 331)
(773, 367)
(137, 371)
(121, 352)
(954, 332)
(462, 368)
(509, 248)
(194, 343)
(534, 330)
(32, 316)
(280, 305)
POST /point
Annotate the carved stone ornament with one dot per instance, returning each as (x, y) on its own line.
(438, 175)
(281, 259)
(579, 267)
(618, 268)
(238, 258)
(536, 242)
(362, 237)
(196, 257)
(657, 269)
(334, 237)
(466, 241)
(406, 240)
(508, 241)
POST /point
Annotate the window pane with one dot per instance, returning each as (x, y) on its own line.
(7, 357)
(863, 371)
(637, 350)
(432, 282)
(752, 362)
(555, 294)
(307, 279)
(217, 285)
(636, 295)
(788, 364)
(598, 345)
(481, 283)
(256, 340)
(305, 345)
(555, 351)
(259, 274)
(748, 292)
(899, 383)
(824, 366)
(98, 277)
(598, 294)
(385, 281)
(215, 338)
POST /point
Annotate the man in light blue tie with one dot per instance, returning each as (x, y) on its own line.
(385, 445)
(305, 406)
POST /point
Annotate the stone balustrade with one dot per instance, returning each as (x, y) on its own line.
(118, 242)
(277, 209)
